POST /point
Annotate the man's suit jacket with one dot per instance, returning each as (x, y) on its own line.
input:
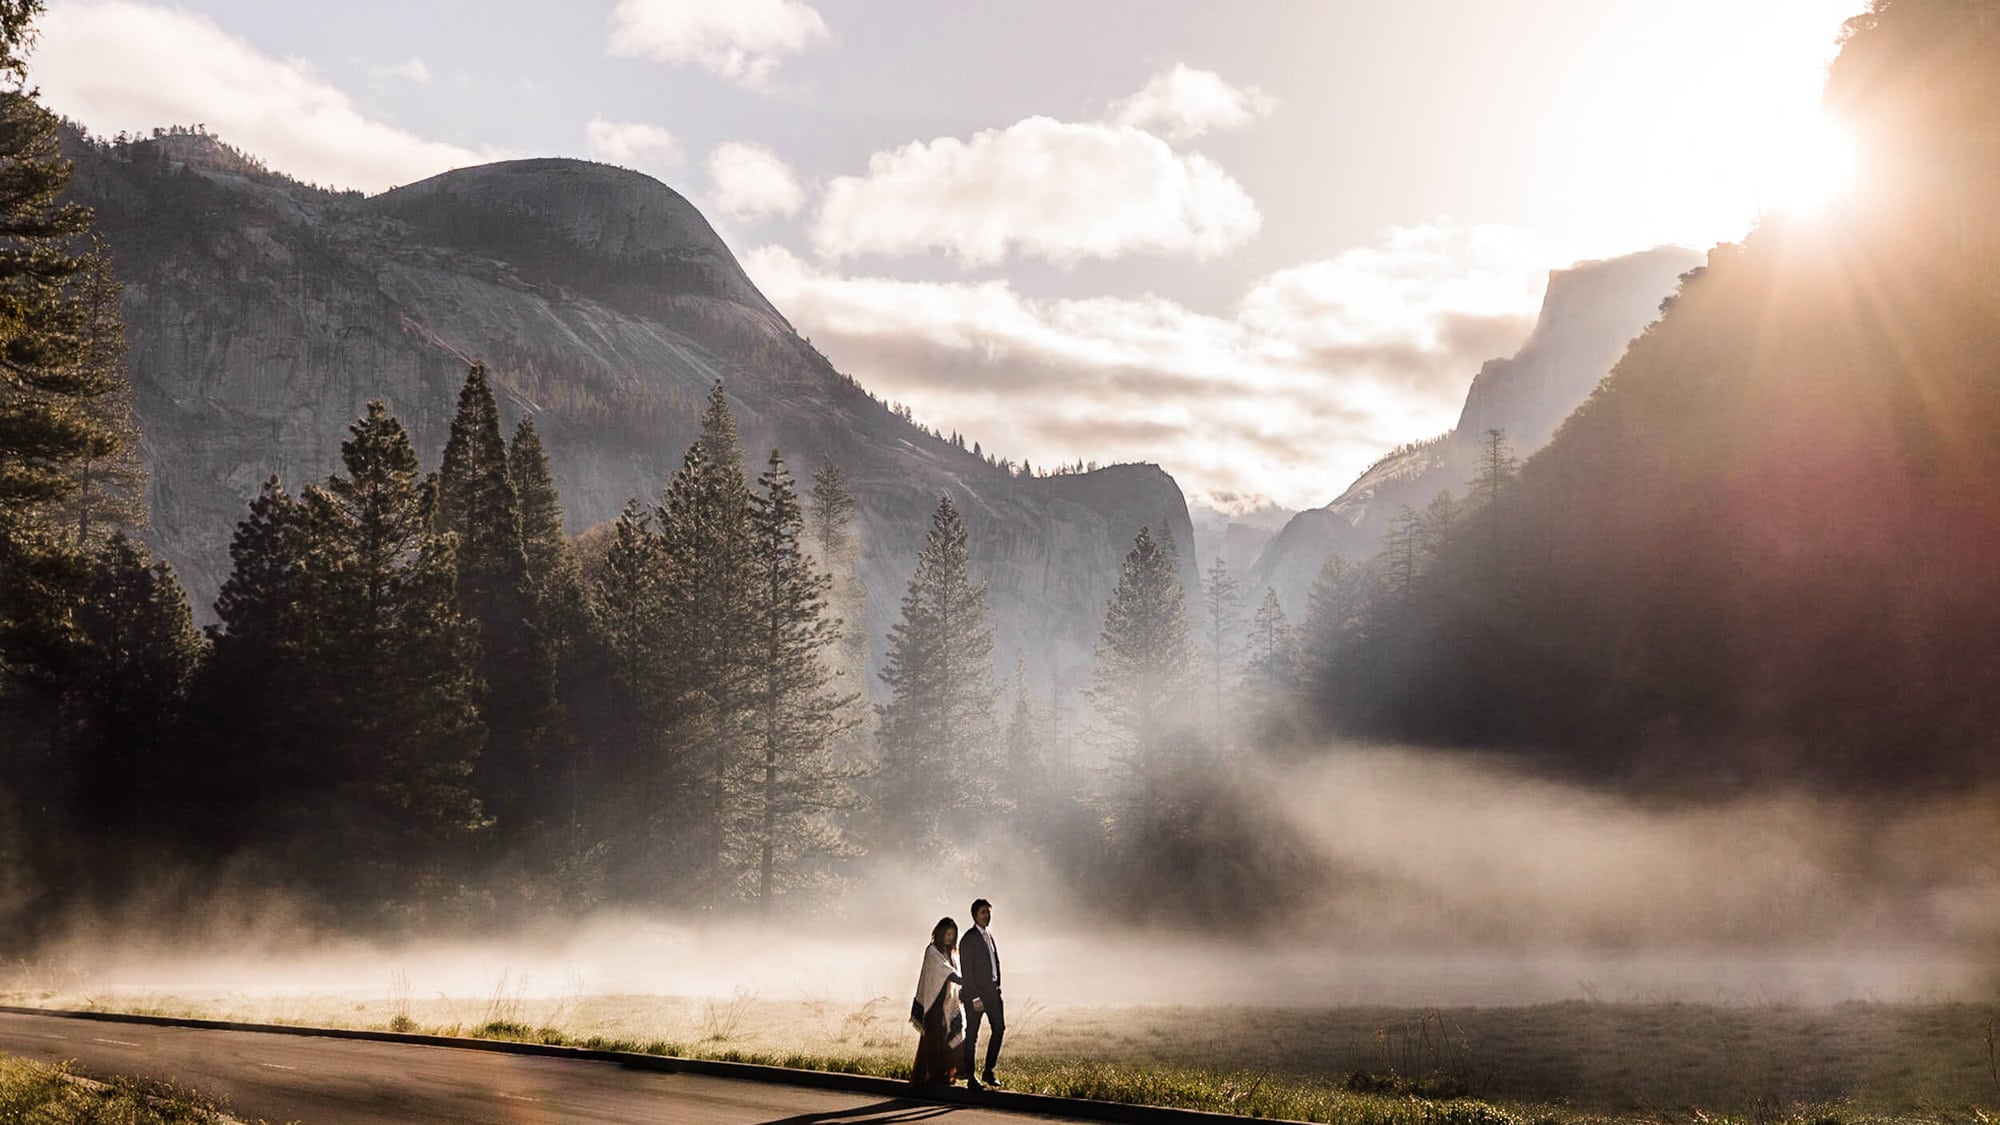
(975, 964)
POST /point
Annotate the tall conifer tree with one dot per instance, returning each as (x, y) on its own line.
(635, 783)
(1140, 688)
(561, 617)
(477, 501)
(555, 582)
(706, 540)
(263, 703)
(830, 525)
(48, 391)
(405, 659)
(1326, 616)
(1140, 685)
(937, 727)
(1221, 643)
(110, 487)
(796, 707)
(1274, 649)
(141, 650)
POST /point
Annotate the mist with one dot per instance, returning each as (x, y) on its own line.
(1447, 880)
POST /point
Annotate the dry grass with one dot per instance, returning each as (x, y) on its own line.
(1577, 1061)
(50, 1095)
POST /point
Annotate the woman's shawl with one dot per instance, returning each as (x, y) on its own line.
(938, 984)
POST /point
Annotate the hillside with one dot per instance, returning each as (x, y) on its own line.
(262, 315)
(1765, 547)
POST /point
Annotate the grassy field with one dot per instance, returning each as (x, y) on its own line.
(33, 1094)
(1571, 1062)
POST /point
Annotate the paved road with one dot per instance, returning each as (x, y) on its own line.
(319, 1081)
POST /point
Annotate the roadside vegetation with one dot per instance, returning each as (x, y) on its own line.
(32, 1093)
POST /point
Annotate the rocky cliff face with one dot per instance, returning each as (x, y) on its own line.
(1589, 314)
(262, 316)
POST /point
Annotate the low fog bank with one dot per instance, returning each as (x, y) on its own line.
(1441, 880)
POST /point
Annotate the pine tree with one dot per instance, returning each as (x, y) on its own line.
(126, 706)
(47, 394)
(555, 582)
(1439, 520)
(634, 776)
(477, 502)
(718, 435)
(937, 725)
(706, 542)
(1403, 553)
(1497, 469)
(404, 659)
(1140, 684)
(263, 706)
(830, 516)
(1326, 616)
(796, 710)
(1222, 625)
(110, 487)
(560, 614)
(628, 603)
(1275, 660)
(1026, 777)
(1487, 491)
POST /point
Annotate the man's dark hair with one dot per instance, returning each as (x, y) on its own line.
(979, 902)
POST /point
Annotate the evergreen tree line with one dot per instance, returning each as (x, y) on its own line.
(421, 698)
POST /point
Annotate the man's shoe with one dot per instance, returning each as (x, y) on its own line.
(973, 1084)
(992, 1081)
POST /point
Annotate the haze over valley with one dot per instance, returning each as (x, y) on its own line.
(1468, 535)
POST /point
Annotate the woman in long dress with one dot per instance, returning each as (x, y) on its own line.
(936, 1013)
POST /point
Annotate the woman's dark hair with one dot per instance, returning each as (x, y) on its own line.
(938, 930)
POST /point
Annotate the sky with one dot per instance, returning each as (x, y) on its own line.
(1258, 243)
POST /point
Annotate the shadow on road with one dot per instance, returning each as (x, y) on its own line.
(895, 1111)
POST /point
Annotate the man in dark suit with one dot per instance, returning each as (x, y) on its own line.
(979, 963)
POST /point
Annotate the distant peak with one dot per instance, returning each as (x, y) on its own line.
(603, 207)
(612, 212)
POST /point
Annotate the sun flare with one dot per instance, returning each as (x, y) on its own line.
(1807, 169)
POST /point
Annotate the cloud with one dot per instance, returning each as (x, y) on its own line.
(1038, 188)
(748, 181)
(741, 40)
(1315, 372)
(1183, 103)
(632, 144)
(412, 69)
(117, 65)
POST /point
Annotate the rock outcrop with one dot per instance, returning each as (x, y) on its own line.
(262, 315)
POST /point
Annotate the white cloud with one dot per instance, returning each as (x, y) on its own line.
(632, 144)
(1308, 379)
(119, 65)
(740, 40)
(748, 181)
(1182, 103)
(1038, 188)
(1418, 288)
(412, 69)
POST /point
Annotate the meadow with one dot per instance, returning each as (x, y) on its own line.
(1575, 1061)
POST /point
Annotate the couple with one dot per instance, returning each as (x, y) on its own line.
(951, 1032)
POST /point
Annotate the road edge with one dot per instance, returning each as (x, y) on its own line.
(1079, 1109)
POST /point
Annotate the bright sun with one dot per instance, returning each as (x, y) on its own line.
(1806, 169)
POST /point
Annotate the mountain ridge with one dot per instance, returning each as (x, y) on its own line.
(1590, 312)
(263, 314)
